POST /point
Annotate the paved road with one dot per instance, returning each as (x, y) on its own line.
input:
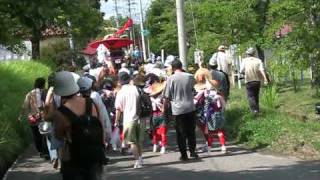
(238, 164)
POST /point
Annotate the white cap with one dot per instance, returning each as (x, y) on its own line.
(250, 51)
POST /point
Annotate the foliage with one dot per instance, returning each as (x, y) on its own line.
(272, 129)
(30, 18)
(270, 97)
(55, 52)
(302, 44)
(161, 20)
(18, 78)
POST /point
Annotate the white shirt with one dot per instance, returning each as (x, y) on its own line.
(124, 70)
(223, 61)
(253, 68)
(127, 101)
(95, 72)
(101, 53)
(103, 113)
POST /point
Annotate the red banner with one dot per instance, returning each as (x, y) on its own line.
(128, 24)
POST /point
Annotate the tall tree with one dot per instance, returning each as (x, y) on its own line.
(34, 17)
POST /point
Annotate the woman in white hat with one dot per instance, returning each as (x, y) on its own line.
(70, 128)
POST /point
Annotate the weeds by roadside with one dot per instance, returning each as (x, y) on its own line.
(272, 129)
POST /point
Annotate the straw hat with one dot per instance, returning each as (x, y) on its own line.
(221, 48)
(157, 88)
(64, 84)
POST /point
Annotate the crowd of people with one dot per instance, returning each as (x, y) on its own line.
(84, 115)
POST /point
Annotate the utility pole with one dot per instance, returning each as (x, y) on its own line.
(142, 35)
(181, 33)
(117, 13)
(130, 16)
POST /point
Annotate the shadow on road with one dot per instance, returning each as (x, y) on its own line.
(309, 170)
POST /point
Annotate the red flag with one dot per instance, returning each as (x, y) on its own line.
(128, 24)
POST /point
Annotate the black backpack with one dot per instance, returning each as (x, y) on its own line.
(145, 104)
(86, 146)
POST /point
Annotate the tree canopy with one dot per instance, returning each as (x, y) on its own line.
(257, 23)
(26, 19)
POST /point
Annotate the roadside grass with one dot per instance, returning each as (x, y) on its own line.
(300, 104)
(274, 129)
(16, 80)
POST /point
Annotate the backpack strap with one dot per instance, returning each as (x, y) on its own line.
(67, 112)
(88, 107)
(89, 103)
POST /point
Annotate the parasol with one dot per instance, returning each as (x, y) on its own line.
(111, 43)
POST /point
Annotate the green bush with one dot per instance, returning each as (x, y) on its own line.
(55, 52)
(16, 80)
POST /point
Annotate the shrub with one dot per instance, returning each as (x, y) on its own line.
(17, 79)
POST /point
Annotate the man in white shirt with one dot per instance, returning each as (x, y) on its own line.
(253, 69)
(223, 60)
(127, 101)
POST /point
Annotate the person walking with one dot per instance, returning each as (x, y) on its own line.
(127, 105)
(254, 74)
(85, 84)
(159, 121)
(33, 107)
(82, 154)
(224, 86)
(223, 61)
(179, 93)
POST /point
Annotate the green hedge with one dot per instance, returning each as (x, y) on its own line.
(16, 80)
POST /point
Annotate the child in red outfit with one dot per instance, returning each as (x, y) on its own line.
(158, 123)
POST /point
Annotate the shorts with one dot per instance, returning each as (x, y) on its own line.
(133, 133)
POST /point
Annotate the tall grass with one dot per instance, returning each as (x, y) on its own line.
(270, 97)
(272, 128)
(16, 80)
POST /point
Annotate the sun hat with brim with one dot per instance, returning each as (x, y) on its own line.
(157, 88)
(124, 78)
(85, 83)
(222, 47)
(250, 51)
(64, 84)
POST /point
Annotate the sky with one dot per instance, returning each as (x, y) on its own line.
(109, 8)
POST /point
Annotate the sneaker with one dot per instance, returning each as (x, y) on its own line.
(141, 160)
(223, 149)
(163, 150)
(155, 148)
(194, 155)
(137, 165)
(204, 149)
